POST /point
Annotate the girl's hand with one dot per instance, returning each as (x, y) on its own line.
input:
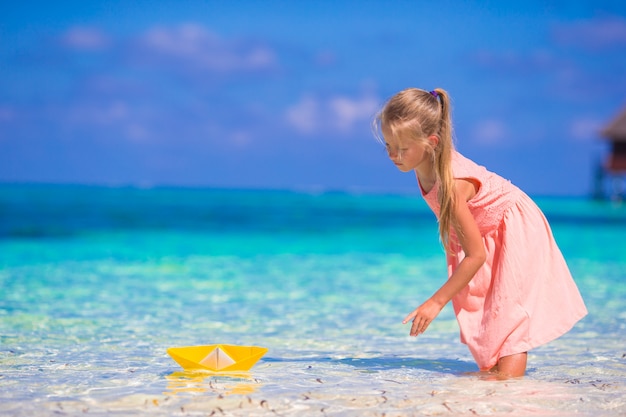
(422, 316)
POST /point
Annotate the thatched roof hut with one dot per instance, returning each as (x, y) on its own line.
(615, 132)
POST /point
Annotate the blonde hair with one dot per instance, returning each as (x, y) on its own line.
(417, 114)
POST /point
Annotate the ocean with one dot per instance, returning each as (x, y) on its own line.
(96, 283)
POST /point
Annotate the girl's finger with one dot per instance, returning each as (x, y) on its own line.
(415, 328)
(408, 318)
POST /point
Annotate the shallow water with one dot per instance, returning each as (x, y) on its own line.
(96, 283)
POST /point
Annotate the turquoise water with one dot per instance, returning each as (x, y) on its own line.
(96, 283)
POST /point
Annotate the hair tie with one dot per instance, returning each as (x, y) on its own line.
(434, 94)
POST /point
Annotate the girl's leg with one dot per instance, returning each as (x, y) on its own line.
(511, 366)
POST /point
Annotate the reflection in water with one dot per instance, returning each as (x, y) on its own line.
(183, 382)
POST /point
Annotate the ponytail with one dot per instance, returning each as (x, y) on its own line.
(418, 114)
(443, 167)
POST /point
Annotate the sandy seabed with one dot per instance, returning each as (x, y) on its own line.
(364, 386)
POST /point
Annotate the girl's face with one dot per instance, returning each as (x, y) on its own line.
(407, 155)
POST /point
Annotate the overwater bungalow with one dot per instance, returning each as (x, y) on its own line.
(611, 173)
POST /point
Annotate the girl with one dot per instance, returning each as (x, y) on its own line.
(510, 286)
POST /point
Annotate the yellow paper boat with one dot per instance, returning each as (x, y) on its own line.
(217, 358)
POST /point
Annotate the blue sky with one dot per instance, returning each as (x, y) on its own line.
(280, 94)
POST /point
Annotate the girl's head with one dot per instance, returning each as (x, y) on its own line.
(420, 115)
(417, 115)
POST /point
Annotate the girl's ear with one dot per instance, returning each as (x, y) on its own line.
(434, 140)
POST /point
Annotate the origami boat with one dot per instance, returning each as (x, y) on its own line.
(217, 358)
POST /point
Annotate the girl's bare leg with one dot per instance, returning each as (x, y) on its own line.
(511, 366)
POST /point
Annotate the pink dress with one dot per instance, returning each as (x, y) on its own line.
(524, 295)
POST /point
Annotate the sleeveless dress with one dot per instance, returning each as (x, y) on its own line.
(524, 295)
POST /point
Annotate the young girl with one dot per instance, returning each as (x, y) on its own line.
(510, 286)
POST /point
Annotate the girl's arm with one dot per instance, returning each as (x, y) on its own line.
(472, 245)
